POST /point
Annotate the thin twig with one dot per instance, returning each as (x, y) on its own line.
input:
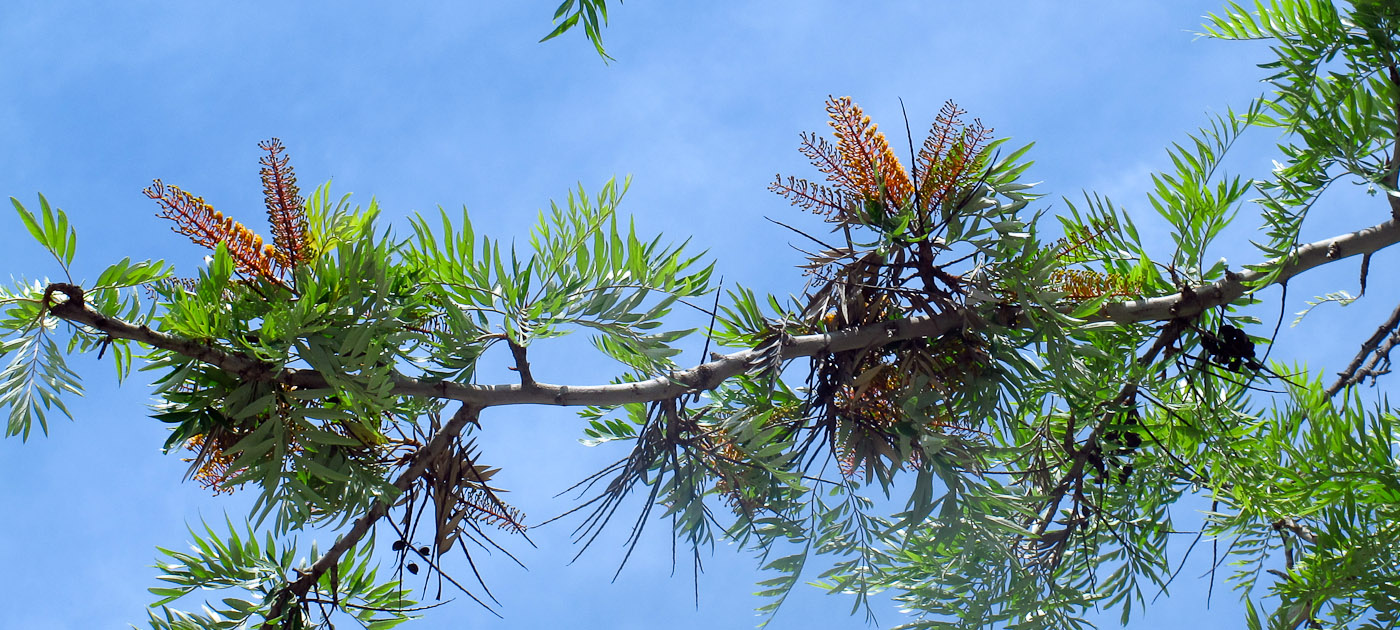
(1354, 373)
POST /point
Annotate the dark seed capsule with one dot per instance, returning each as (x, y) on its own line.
(413, 568)
(398, 545)
(424, 550)
(1212, 346)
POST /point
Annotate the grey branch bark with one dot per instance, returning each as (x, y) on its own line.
(1304, 258)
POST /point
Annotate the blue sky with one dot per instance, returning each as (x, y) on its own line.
(454, 103)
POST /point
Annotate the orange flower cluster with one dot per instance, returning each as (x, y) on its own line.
(285, 213)
(214, 460)
(213, 469)
(952, 155)
(206, 226)
(861, 167)
(1087, 284)
(869, 167)
(735, 479)
(862, 392)
(291, 244)
(869, 412)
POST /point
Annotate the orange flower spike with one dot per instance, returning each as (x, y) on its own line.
(846, 123)
(214, 471)
(814, 197)
(940, 137)
(285, 211)
(203, 225)
(950, 154)
(868, 159)
(826, 158)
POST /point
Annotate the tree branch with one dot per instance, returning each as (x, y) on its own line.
(1298, 529)
(76, 310)
(522, 365)
(710, 375)
(1354, 373)
(1234, 285)
(1092, 445)
(421, 459)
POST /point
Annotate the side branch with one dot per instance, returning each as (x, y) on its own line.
(1234, 285)
(74, 309)
(298, 588)
(1093, 446)
(1354, 373)
(522, 364)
